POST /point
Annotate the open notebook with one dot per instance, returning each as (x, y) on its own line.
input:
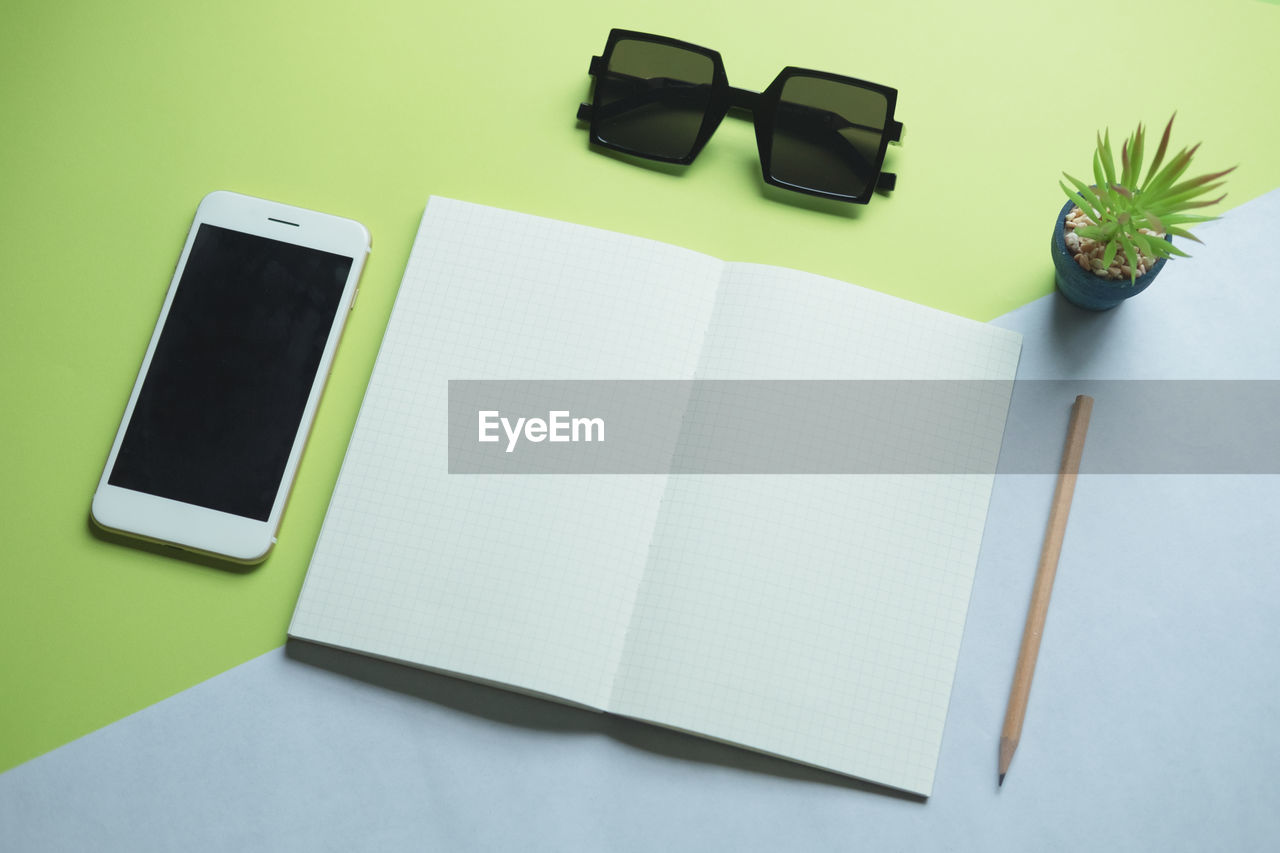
(813, 617)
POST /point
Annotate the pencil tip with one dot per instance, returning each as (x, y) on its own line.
(1000, 784)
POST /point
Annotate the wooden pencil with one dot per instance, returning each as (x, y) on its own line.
(1011, 733)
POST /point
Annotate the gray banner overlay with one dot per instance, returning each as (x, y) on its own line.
(859, 427)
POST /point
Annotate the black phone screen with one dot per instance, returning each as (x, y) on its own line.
(221, 404)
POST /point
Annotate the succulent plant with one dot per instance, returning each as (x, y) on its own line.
(1121, 205)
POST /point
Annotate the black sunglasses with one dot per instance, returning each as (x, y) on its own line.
(818, 133)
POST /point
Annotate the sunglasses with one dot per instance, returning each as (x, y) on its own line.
(818, 133)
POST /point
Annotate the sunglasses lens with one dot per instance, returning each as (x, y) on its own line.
(827, 136)
(652, 99)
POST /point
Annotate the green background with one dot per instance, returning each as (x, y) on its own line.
(115, 119)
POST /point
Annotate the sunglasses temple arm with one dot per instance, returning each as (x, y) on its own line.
(885, 181)
(652, 90)
(888, 180)
(833, 123)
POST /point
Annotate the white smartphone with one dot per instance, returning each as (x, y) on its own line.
(215, 426)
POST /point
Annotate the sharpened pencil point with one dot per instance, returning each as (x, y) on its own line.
(1000, 784)
(1007, 747)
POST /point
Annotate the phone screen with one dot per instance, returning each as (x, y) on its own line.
(221, 403)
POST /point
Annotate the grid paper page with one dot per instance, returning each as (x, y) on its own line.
(819, 617)
(526, 581)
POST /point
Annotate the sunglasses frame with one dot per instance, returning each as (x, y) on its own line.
(763, 107)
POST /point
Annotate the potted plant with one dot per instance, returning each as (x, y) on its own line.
(1113, 237)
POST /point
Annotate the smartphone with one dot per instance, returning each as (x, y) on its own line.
(211, 437)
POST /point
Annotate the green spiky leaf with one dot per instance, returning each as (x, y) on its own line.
(1154, 222)
(1160, 151)
(1084, 193)
(1099, 176)
(1121, 205)
(1136, 155)
(1130, 254)
(1184, 234)
(1109, 254)
(1144, 243)
(1108, 161)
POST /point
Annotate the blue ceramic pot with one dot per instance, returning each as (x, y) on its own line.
(1085, 289)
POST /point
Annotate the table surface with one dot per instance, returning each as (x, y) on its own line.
(1151, 725)
(120, 117)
